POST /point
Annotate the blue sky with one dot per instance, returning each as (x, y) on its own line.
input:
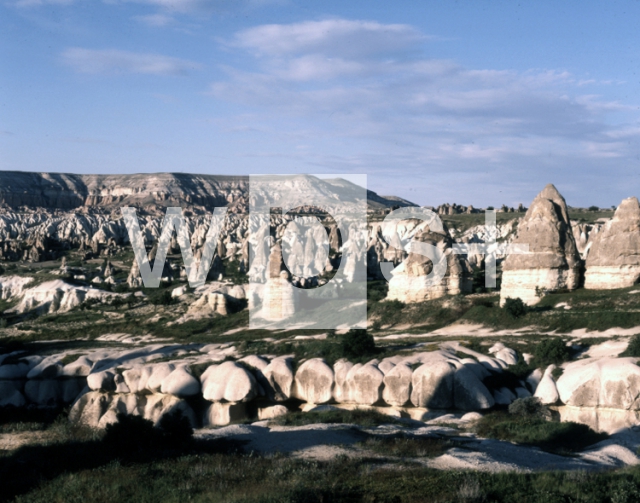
(477, 102)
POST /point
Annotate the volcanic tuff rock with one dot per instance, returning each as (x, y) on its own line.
(553, 262)
(410, 282)
(614, 258)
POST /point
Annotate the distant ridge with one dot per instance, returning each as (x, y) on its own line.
(66, 191)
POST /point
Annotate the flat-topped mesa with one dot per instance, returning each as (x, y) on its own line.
(614, 257)
(553, 262)
(410, 282)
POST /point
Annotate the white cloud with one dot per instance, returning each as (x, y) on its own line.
(112, 61)
(155, 20)
(362, 95)
(332, 37)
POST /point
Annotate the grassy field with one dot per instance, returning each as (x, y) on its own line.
(227, 477)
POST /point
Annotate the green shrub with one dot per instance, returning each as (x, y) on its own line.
(561, 438)
(529, 408)
(551, 350)
(515, 307)
(594, 208)
(175, 428)
(130, 433)
(408, 446)
(163, 298)
(356, 343)
(134, 433)
(633, 349)
(118, 302)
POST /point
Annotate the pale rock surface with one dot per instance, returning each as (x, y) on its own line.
(609, 382)
(229, 382)
(553, 261)
(534, 379)
(349, 395)
(220, 414)
(43, 392)
(137, 377)
(159, 373)
(80, 367)
(180, 383)
(314, 381)
(432, 385)
(58, 296)
(279, 375)
(501, 352)
(410, 282)
(97, 409)
(272, 412)
(614, 257)
(367, 385)
(503, 396)
(12, 287)
(469, 393)
(341, 392)
(546, 390)
(397, 385)
(10, 394)
(102, 381)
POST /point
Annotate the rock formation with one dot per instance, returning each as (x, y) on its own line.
(553, 262)
(410, 282)
(614, 258)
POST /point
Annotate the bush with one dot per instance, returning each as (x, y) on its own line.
(118, 302)
(357, 342)
(162, 299)
(594, 208)
(561, 438)
(130, 433)
(529, 408)
(551, 350)
(134, 433)
(175, 428)
(633, 349)
(515, 307)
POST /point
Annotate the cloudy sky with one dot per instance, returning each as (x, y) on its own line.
(474, 102)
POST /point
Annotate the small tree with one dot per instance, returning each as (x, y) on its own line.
(551, 350)
(515, 307)
(118, 302)
(357, 342)
(529, 408)
(594, 208)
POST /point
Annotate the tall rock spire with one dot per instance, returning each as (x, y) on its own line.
(614, 257)
(553, 262)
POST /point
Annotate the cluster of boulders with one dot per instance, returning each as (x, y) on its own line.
(101, 383)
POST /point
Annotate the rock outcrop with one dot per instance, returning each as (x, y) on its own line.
(553, 262)
(608, 382)
(411, 281)
(614, 258)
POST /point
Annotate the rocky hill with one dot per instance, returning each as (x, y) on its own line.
(64, 191)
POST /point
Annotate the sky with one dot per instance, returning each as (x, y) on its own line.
(475, 102)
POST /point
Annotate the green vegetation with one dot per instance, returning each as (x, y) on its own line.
(408, 446)
(515, 307)
(528, 422)
(551, 350)
(361, 417)
(221, 477)
(633, 349)
(131, 433)
(357, 343)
